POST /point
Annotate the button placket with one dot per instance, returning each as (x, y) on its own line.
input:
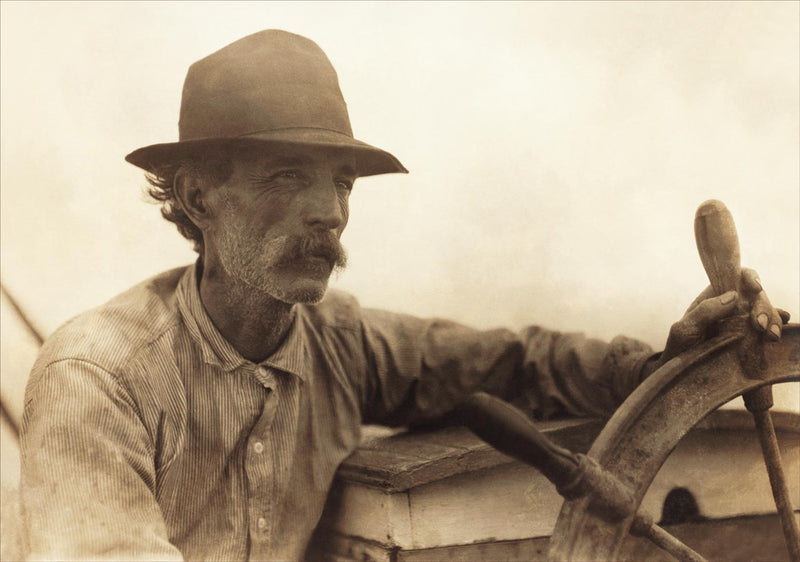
(260, 464)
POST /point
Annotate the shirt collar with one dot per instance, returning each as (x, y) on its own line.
(292, 355)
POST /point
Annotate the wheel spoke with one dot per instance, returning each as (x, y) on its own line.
(759, 402)
(668, 543)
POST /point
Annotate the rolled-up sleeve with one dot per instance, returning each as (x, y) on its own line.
(88, 475)
(418, 370)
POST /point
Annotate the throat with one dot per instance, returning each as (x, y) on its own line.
(253, 322)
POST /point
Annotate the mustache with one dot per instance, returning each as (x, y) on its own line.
(325, 245)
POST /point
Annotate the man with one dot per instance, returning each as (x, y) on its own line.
(203, 413)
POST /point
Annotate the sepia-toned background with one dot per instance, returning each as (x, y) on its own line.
(557, 155)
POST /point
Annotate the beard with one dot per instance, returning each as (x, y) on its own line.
(290, 268)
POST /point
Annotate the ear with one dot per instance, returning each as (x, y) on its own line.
(192, 192)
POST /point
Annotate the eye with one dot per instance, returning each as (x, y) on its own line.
(344, 185)
(277, 178)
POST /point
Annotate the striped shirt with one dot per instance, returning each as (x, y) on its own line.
(146, 435)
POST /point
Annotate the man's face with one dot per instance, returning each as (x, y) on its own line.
(280, 216)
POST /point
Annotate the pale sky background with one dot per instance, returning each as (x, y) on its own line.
(557, 152)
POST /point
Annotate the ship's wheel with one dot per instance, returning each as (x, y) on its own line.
(645, 429)
(604, 489)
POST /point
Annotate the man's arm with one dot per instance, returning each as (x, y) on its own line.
(418, 370)
(88, 471)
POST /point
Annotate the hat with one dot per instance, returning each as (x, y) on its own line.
(269, 87)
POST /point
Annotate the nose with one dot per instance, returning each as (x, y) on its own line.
(325, 209)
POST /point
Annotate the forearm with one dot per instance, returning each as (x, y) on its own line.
(570, 374)
(420, 369)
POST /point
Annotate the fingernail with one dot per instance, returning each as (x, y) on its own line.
(758, 282)
(776, 331)
(763, 320)
(728, 298)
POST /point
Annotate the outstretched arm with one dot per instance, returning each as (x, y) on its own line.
(418, 369)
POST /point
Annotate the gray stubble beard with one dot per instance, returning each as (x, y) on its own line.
(255, 263)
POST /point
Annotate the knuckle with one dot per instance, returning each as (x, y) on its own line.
(752, 282)
(709, 308)
(683, 330)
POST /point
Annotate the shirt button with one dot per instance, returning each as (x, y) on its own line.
(264, 376)
(262, 523)
(258, 447)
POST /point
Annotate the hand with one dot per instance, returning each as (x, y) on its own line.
(708, 309)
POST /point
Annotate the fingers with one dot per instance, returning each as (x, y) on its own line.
(766, 318)
(707, 293)
(691, 329)
(708, 309)
(751, 284)
(712, 310)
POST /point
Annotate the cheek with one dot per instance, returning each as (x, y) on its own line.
(273, 214)
(344, 205)
(263, 217)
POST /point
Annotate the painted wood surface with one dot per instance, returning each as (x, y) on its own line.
(421, 502)
(742, 539)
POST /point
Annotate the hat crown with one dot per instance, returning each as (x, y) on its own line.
(268, 81)
(271, 87)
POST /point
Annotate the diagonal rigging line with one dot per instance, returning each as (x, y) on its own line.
(4, 414)
(24, 317)
(9, 420)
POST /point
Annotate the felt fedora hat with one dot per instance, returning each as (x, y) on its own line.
(269, 87)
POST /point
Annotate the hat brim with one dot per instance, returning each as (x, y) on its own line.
(370, 161)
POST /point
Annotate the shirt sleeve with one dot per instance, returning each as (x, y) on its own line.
(418, 370)
(88, 474)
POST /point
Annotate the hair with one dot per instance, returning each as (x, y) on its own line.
(216, 169)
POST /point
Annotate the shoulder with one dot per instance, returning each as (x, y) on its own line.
(109, 335)
(338, 310)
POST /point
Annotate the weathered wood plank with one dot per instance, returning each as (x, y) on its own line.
(369, 513)
(725, 472)
(507, 502)
(739, 539)
(402, 461)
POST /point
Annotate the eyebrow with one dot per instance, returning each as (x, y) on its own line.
(289, 161)
(348, 170)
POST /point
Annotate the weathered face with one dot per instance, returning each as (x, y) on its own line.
(280, 216)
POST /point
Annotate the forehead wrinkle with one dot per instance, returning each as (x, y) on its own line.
(277, 160)
(344, 165)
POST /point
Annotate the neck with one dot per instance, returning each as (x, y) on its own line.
(253, 322)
